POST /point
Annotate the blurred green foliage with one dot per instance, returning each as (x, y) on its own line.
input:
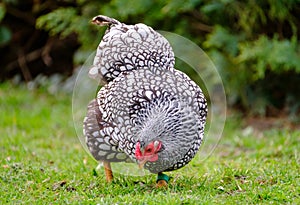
(5, 34)
(252, 43)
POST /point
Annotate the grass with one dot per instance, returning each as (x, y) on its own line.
(43, 162)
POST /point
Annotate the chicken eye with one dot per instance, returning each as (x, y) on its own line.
(148, 150)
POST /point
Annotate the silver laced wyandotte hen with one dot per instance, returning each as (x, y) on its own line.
(147, 112)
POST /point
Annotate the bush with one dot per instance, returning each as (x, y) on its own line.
(252, 43)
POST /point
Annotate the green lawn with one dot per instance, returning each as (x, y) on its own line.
(43, 162)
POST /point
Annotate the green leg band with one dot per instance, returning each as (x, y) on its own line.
(162, 176)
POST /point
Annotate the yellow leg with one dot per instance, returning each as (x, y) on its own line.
(161, 184)
(108, 173)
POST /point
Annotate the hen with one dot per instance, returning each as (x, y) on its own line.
(148, 112)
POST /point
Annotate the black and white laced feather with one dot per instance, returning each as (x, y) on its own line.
(129, 47)
(145, 99)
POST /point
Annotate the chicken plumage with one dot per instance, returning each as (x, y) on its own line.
(148, 112)
(129, 47)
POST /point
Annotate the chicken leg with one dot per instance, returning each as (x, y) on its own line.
(108, 172)
(162, 180)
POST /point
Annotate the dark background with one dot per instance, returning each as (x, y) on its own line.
(254, 44)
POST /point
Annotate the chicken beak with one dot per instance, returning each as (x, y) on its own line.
(142, 163)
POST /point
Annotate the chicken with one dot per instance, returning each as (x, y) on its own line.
(147, 112)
